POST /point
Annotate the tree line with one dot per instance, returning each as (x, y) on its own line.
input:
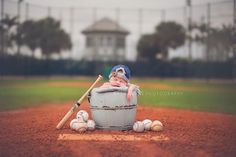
(45, 34)
(48, 36)
(171, 35)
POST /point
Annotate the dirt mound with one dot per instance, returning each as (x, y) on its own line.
(31, 132)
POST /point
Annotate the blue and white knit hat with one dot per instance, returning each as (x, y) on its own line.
(121, 71)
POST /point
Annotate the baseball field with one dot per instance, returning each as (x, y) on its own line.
(198, 118)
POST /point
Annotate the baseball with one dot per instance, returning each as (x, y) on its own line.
(82, 114)
(147, 124)
(91, 125)
(80, 118)
(156, 126)
(138, 126)
(73, 123)
(81, 127)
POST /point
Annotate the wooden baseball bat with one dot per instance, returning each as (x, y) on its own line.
(77, 104)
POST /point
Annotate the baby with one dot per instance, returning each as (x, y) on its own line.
(119, 77)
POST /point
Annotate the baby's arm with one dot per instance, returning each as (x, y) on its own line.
(131, 87)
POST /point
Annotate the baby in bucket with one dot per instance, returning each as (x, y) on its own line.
(113, 105)
(119, 77)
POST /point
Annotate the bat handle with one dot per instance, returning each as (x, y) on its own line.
(67, 116)
(87, 92)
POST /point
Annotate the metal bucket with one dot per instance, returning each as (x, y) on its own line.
(111, 110)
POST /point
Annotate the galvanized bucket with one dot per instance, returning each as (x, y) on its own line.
(111, 110)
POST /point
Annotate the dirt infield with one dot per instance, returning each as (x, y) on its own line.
(31, 132)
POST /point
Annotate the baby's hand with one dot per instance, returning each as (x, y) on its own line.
(129, 96)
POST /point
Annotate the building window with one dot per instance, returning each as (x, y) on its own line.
(103, 41)
(120, 42)
(90, 42)
(109, 41)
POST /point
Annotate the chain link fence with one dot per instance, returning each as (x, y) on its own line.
(137, 21)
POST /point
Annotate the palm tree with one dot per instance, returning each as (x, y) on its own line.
(6, 24)
(219, 41)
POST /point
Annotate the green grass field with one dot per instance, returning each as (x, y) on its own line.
(200, 96)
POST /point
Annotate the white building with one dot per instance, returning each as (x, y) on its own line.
(105, 41)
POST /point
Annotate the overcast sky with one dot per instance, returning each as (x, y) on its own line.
(160, 4)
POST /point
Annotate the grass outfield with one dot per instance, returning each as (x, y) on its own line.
(217, 97)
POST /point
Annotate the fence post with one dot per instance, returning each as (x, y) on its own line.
(117, 16)
(71, 21)
(163, 15)
(140, 17)
(94, 15)
(18, 24)
(189, 6)
(234, 46)
(207, 40)
(26, 11)
(49, 11)
(2, 31)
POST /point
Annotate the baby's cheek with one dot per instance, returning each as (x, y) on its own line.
(121, 81)
(124, 83)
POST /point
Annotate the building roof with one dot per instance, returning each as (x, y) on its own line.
(105, 25)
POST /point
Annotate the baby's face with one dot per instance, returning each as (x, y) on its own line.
(116, 81)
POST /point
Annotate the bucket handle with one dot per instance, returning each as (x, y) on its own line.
(112, 89)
